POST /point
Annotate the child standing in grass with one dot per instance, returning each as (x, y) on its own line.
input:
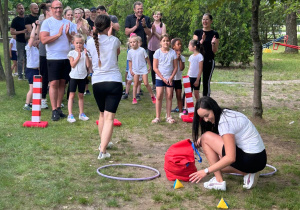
(13, 54)
(195, 66)
(165, 67)
(137, 67)
(176, 44)
(33, 62)
(80, 62)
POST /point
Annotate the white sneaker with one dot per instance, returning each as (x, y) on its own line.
(71, 119)
(83, 117)
(62, 105)
(110, 145)
(250, 180)
(44, 104)
(103, 156)
(214, 184)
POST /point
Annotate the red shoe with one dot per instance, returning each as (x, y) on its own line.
(153, 99)
(134, 101)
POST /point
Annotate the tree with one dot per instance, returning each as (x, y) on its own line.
(2, 74)
(4, 25)
(257, 110)
(291, 29)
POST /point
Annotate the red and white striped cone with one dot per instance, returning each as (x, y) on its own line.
(188, 99)
(36, 104)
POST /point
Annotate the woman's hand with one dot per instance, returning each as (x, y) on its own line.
(203, 38)
(213, 41)
(197, 176)
(198, 142)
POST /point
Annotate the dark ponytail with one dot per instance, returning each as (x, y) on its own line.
(199, 47)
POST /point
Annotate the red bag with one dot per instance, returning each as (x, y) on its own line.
(180, 160)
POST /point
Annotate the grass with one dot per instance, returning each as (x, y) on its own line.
(55, 167)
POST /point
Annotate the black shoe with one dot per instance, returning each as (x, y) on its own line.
(138, 97)
(141, 93)
(124, 92)
(61, 114)
(55, 115)
(125, 96)
(175, 110)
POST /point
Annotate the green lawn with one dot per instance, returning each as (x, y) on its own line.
(55, 167)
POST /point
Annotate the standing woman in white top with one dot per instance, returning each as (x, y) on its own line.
(106, 79)
(230, 143)
(158, 28)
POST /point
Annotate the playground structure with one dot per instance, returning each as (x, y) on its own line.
(268, 44)
(276, 44)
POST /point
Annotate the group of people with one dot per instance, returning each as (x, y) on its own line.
(229, 140)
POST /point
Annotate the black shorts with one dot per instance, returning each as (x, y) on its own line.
(74, 83)
(160, 83)
(177, 84)
(30, 73)
(58, 69)
(14, 56)
(248, 163)
(108, 95)
(192, 81)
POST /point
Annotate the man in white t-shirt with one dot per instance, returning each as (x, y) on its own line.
(55, 35)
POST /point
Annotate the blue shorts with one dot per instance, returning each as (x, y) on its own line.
(160, 83)
(30, 73)
(14, 56)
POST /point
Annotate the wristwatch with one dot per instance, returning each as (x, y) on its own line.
(206, 171)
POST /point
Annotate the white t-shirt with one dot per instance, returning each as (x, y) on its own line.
(33, 57)
(80, 71)
(178, 75)
(165, 62)
(59, 49)
(109, 70)
(139, 65)
(246, 136)
(14, 44)
(194, 65)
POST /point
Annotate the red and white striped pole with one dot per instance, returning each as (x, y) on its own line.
(36, 104)
(188, 99)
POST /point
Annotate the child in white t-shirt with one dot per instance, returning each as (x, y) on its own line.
(138, 67)
(80, 62)
(165, 67)
(195, 66)
(33, 62)
(13, 54)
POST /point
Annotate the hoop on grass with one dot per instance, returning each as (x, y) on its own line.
(129, 179)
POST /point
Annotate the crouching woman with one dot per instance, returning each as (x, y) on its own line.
(230, 143)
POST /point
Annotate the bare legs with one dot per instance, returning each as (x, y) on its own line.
(56, 92)
(105, 128)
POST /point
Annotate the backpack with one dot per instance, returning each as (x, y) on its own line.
(180, 160)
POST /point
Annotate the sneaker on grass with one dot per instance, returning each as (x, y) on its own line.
(250, 180)
(27, 107)
(138, 97)
(103, 155)
(134, 101)
(125, 96)
(214, 184)
(83, 117)
(71, 118)
(61, 114)
(55, 115)
(44, 104)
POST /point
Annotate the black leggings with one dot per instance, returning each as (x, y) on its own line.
(108, 95)
(208, 69)
(44, 73)
(248, 163)
(151, 53)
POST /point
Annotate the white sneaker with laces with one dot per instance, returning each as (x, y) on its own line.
(214, 184)
(71, 119)
(250, 180)
(44, 104)
(103, 155)
(83, 117)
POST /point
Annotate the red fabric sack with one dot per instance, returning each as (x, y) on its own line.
(180, 161)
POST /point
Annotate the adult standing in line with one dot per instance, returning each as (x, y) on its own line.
(55, 35)
(82, 24)
(69, 15)
(210, 41)
(32, 17)
(101, 10)
(18, 28)
(92, 17)
(138, 23)
(107, 78)
(230, 143)
(87, 13)
(158, 28)
(46, 8)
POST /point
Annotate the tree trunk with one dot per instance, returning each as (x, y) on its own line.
(2, 75)
(4, 25)
(257, 47)
(291, 31)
